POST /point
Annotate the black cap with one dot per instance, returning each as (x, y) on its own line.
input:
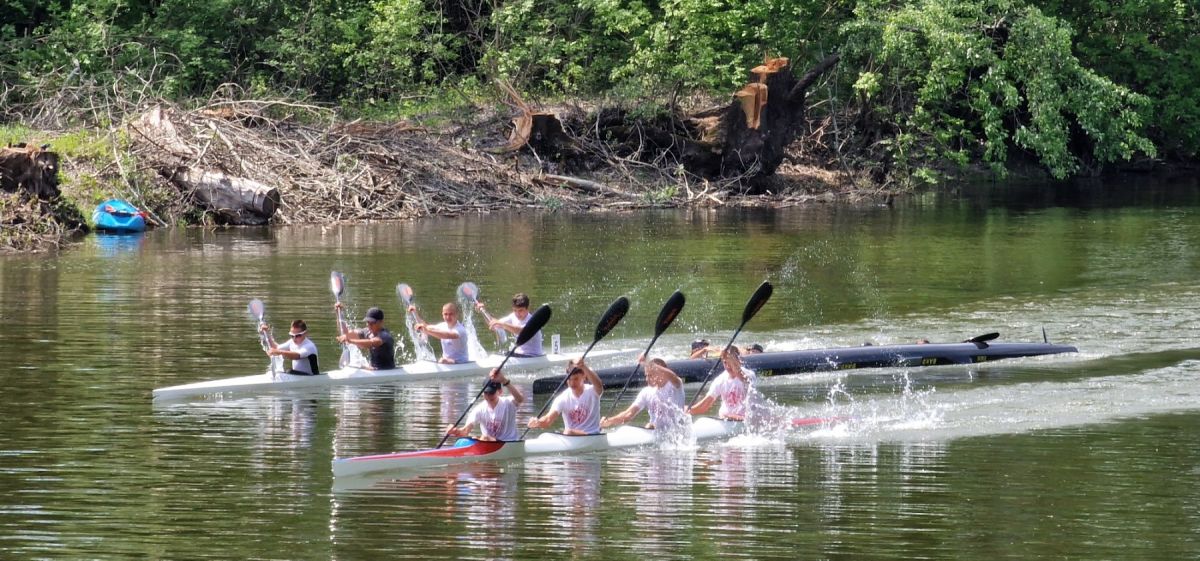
(491, 387)
(699, 343)
(755, 348)
(374, 314)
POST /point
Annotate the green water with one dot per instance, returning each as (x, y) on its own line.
(1089, 456)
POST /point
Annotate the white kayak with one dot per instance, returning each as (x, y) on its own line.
(471, 450)
(413, 372)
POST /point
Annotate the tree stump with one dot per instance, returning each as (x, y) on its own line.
(749, 137)
(31, 170)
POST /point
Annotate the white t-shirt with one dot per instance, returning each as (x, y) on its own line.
(659, 402)
(579, 413)
(454, 348)
(499, 423)
(306, 349)
(532, 347)
(733, 393)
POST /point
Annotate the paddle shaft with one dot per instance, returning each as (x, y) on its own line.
(666, 317)
(260, 313)
(499, 331)
(719, 362)
(561, 383)
(341, 321)
(756, 302)
(536, 322)
(633, 374)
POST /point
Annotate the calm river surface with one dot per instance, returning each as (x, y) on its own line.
(1088, 456)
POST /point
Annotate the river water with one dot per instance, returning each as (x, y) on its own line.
(1087, 456)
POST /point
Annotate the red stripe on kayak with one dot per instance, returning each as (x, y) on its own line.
(479, 448)
(808, 421)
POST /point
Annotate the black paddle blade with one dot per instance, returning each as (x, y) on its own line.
(757, 301)
(983, 338)
(669, 312)
(535, 324)
(610, 319)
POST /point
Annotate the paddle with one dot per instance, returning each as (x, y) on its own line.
(258, 311)
(983, 338)
(535, 324)
(667, 315)
(756, 302)
(419, 338)
(616, 311)
(337, 285)
(469, 293)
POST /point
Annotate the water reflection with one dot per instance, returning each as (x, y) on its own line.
(567, 488)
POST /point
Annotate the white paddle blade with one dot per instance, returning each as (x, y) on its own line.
(336, 283)
(257, 309)
(468, 291)
(405, 293)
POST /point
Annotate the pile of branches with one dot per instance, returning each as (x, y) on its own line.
(325, 170)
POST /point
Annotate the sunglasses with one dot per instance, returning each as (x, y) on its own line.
(295, 335)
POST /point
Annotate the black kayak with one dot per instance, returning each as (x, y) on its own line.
(846, 358)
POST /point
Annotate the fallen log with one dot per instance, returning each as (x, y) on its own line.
(584, 185)
(234, 200)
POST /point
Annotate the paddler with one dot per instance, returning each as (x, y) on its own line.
(451, 332)
(662, 397)
(732, 386)
(497, 415)
(514, 322)
(298, 348)
(579, 404)
(375, 338)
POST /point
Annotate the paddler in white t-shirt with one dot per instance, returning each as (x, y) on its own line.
(732, 386)
(497, 415)
(514, 322)
(662, 397)
(298, 348)
(451, 332)
(579, 404)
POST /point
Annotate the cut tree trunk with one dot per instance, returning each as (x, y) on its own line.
(749, 137)
(234, 200)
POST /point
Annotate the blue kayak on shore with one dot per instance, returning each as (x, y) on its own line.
(116, 215)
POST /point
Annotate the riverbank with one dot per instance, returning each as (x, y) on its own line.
(324, 169)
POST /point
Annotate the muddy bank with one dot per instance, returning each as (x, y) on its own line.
(310, 167)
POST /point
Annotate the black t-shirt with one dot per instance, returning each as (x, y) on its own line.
(382, 357)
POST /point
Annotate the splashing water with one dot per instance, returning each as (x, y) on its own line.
(475, 350)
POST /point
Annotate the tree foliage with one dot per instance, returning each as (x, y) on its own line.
(966, 80)
(1070, 85)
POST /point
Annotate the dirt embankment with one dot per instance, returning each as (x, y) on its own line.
(275, 162)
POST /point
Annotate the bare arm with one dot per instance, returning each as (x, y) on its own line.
(544, 421)
(701, 407)
(592, 378)
(620, 418)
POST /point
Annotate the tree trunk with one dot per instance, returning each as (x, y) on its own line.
(750, 136)
(235, 200)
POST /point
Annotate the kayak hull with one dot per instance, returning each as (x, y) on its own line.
(703, 428)
(818, 360)
(118, 216)
(414, 372)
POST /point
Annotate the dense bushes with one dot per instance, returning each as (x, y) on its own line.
(1072, 86)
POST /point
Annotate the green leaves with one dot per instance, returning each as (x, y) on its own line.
(986, 76)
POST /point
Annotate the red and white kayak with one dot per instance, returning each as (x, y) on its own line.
(413, 372)
(471, 450)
